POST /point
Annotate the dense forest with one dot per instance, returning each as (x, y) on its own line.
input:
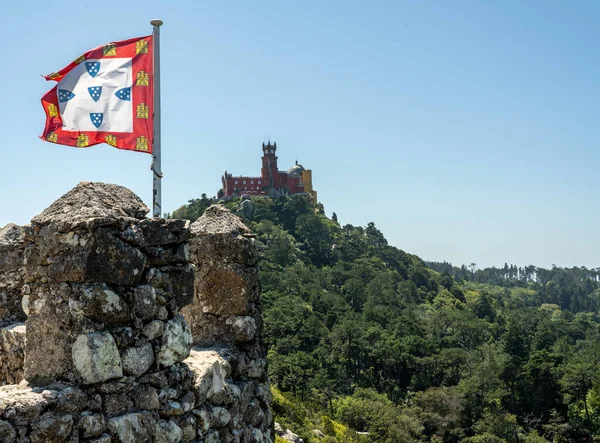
(369, 343)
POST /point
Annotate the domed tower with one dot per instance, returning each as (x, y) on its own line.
(268, 171)
(296, 170)
(304, 177)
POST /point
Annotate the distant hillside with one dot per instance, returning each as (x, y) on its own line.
(362, 333)
(575, 289)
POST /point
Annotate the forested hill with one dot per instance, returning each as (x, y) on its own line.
(362, 336)
(575, 289)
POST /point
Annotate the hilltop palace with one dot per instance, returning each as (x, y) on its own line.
(271, 182)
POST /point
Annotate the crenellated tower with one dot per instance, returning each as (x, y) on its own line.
(269, 163)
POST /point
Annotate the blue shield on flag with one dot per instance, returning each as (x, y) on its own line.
(92, 68)
(124, 94)
(95, 92)
(64, 95)
(96, 118)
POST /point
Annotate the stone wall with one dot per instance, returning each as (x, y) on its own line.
(13, 242)
(108, 355)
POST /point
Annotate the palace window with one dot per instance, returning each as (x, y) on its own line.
(236, 182)
(244, 181)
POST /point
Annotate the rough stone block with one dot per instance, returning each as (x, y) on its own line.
(98, 302)
(176, 342)
(210, 371)
(113, 261)
(144, 302)
(132, 428)
(92, 204)
(96, 357)
(12, 347)
(49, 337)
(220, 233)
(51, 428)
(7, 432)
(138, 360)
(168, 432)
(92, 425)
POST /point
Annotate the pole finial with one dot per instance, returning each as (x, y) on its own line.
(156, 22)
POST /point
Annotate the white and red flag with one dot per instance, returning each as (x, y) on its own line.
(104, 96)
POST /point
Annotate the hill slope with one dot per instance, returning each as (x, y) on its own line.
(361, 332)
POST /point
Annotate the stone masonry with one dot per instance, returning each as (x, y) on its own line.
(119, 328)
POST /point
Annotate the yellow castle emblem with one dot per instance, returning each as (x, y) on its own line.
(79, 59)
(142, 111)
(110, 49)
(111, 140)
(141, 47)
(82, 141)
(52, 110)
(52, 137)
(142, 79)
(53, 76)
(141, 144)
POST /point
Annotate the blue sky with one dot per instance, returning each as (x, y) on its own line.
(468, 131)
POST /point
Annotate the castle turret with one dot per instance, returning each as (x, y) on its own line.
(269, 163)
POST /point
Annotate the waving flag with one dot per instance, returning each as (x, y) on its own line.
(104, 96)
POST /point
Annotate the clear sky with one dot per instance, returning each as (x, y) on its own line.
(468, 131)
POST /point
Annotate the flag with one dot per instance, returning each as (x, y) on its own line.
(104, 96)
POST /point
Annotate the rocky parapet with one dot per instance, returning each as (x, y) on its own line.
(108, 354)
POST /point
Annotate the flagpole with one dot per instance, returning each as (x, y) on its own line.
(156, 167)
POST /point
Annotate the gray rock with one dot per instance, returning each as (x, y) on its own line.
(113, 261)
(154, 329)
(188, 428)
(168, 432)
(176, 342)
(203, 419)
(51, 428)
(12, 353)
(290, 436)
(244, 328)
(318, 433)
(146, 397)
(96, 357)
(188, 401)
(117, 404)
(92, 201)
(136, 361)
(219, 417)
(254, 414)
(71, 400)
(136, 427)
(257, 435)
(92, 425)
(100, 303)
(144, 302)
(246, 209)
(7, 432)
(212, 437)
(172, 409)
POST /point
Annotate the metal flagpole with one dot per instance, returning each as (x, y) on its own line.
(156, 167)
